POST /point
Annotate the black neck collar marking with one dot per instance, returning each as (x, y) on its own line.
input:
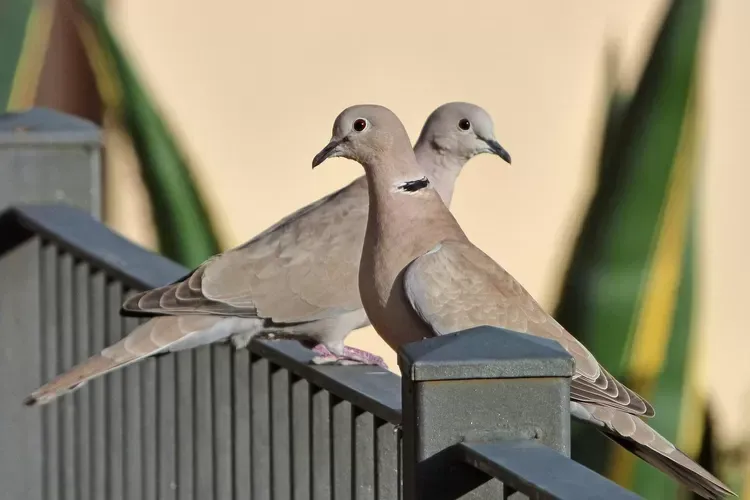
(413, 186)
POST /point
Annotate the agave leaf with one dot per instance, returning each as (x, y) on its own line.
(16, 23)
(183, 225)
(628, 292)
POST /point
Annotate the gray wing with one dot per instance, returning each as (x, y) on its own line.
(456, 286)
(304, 268)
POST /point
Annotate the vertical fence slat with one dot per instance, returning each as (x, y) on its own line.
(301, 456)
(241, 421)
(133, 425)
(22, 329)
(281, 445)
(342, 450)
(321, 445)
(82, 397)
(150, 424)
(204, 468)
(50, 337)
(400, 462)
(364, 456)
(166, 392)
(386, 464)
(97, 392)
(114, 397)
(261, 429)
(222, 407)
(185, 443)
(66, 349)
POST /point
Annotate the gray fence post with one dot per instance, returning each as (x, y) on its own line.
(484, 384)
(46, 157)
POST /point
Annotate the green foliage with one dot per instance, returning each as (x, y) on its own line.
(628, 292)
(183, 224)
(14, 16)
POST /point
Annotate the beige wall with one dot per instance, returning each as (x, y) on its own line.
(252, 88)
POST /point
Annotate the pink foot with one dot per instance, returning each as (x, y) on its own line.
(351, 356)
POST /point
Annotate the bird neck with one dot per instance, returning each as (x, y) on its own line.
(441, 168)
(399, 192)
(406, 219)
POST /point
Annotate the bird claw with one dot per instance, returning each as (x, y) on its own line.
(350, 357)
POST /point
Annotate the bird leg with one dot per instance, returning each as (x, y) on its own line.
(344, 355)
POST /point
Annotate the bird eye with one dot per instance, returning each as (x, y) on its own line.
(359, 124)
(464, 124)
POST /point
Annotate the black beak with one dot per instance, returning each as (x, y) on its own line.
(325, 153)
(497, 149)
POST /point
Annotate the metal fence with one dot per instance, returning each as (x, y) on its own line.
(262, 422)
(209, 423)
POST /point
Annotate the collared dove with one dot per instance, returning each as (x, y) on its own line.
(420, 276)
(296, 279)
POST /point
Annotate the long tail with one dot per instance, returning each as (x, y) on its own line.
(633, 434)
(164, 333)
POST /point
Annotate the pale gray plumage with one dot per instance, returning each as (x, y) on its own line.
(420, 276)
(297, 278)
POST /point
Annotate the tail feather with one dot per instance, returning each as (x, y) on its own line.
(93, 367)
(679, 466)
(636, 436)
(160, 334)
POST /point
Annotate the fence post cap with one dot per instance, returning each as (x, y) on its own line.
(484, 352)
(44, 125)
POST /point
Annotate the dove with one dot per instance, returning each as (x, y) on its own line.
(420, 276)
(296, 279)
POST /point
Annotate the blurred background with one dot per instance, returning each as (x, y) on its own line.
(625, 211)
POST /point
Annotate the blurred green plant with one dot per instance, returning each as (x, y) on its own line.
(184, 229)
(13, 18)
(629, 289)
(21, 25)
(182, 222)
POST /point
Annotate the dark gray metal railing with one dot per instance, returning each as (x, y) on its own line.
(529, 467)
(209, 423)
(260, 423)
